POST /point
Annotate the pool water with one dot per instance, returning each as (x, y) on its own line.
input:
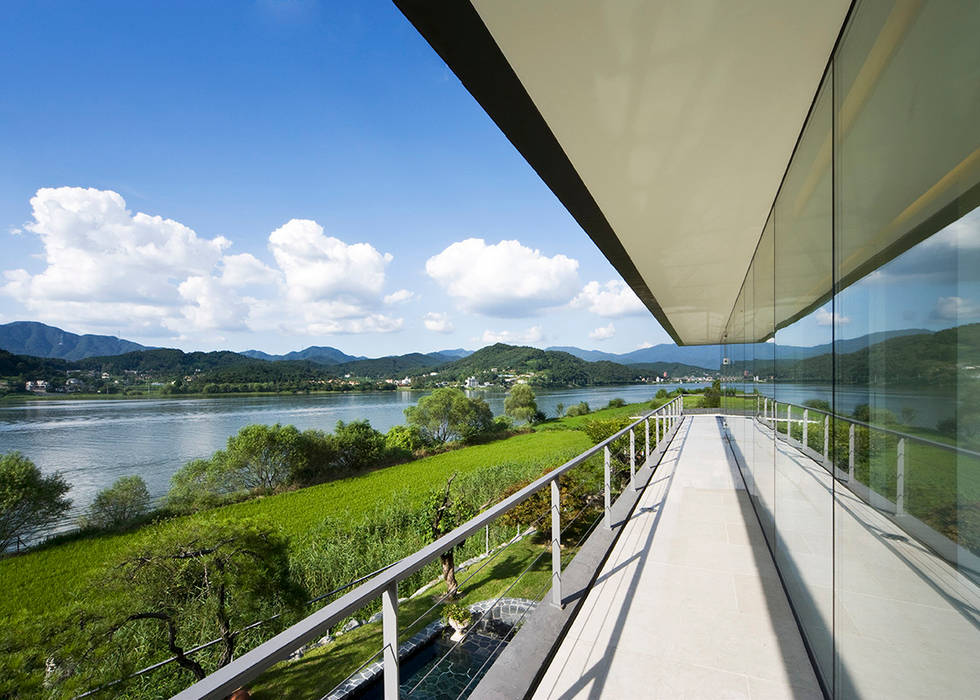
(457, 675)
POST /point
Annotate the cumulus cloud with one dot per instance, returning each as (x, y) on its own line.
(955, 309)
(399, 297)
(644, 345)
(245, 269)
(610, 300)
(827, 318)
(438, 322)
(148, 276)
(318, 267)
(506, 279)
(603, 332)
(531, 335)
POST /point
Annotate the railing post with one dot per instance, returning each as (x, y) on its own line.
(632, 459)
(555, 544)
(806, 423)
(789, 423)
(487, 534)
(900, 480)
(826, 440)
(389, 616)
(850, 453)
(607, 495)
(646, 439)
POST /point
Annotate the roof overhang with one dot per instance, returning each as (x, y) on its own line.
(664, 128)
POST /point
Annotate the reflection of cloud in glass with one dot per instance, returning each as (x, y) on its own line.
(955, 309)
(827, 318)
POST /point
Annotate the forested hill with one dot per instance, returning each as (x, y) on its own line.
(40, 340)
(166, 360)
(934, 358)
(545, 367)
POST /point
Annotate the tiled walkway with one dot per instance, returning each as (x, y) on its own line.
(688, 604)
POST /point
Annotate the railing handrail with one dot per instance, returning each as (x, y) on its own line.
(862, 424)
(227, 679)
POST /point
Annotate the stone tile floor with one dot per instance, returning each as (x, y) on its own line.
(688, 605)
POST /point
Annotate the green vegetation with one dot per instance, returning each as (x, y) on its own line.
(579, 409)
(496, 363)
(521, 405)
(447, 414)
(122, 504)
(29, 501)
(317, 539)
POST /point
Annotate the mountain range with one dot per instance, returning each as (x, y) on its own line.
(40, 340)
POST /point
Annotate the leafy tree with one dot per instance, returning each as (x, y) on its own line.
(616, 403)
(661, 394)
(192, 583)
(447, 414)
(358, 445)
(407, 438)
(712, 395)
(125, 501)
(441, 513)
(29, 501)
(560, 409)
(520, 404)
(263, 457)
(579, 409)
(819, 404)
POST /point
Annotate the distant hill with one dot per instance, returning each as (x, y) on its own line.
(24, 366)
(709, 356)
(320, 354)
(40, 340)
(552, 368)
(392, 366)
(167, 360)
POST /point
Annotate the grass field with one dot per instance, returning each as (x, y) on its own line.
(46, 578)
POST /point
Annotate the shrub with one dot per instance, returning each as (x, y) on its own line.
(358, 445)
(615, 403)
(406, 439)
(579, 409)
(818, 404)
(124, 502)
(661, 394)
(447, 414)
(29, 501)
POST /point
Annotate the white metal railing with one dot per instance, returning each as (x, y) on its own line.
(247, 667)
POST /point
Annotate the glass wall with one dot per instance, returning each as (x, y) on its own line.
(855, 341)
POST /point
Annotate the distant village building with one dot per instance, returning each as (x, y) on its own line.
(39, 386)
(471, 383)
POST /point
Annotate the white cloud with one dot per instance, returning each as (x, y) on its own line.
(245, 269)
(506, 279)
(531, 335)
(610, 300)
(318, 267)
(644, 345)
(438, 322)
(145, 276)
(955, 309)
(603, 332)
(399, 297)
(826, 318)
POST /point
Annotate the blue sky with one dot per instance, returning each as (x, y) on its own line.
(235, 119)
(274, 175)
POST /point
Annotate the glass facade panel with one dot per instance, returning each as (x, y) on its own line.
(854, 351)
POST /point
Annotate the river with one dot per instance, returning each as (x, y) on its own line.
(93, 443)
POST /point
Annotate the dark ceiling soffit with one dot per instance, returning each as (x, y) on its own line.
(457, 33)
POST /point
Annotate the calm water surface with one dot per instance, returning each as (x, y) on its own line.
(93, 443)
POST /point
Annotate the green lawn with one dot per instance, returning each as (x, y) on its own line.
(45, 579)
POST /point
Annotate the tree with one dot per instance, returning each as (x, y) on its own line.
(447, 414)
(441, 513)
(29, 501)
(405, 438)
(263, 457)
(712, 395)
(579, 409)
(120, 504)
(358, 445)
(189, 584)
(560, 409)
(520, 404)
